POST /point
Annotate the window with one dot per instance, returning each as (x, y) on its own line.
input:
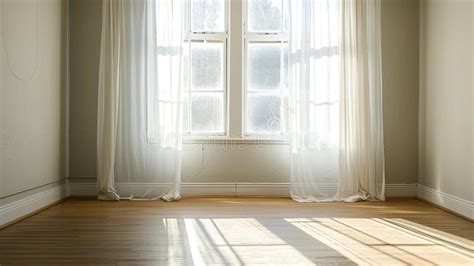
(266, 67)
(236, 76)
(206, 73)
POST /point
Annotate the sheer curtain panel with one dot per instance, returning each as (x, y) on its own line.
(335, 100)
(140, 99)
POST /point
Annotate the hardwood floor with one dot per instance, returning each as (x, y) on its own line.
(239, 231)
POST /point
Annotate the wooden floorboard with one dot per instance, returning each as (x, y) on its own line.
(239, 231)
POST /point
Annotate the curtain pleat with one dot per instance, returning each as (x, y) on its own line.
(139, 134)
(335, 84)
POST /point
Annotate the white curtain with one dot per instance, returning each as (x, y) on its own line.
(140, 107)
(336, 100)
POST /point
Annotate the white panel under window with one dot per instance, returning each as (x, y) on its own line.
(264, 114)
(208, 15)
(207, 66)
(207, 112)
(264, 15)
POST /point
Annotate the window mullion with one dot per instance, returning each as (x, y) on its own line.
(282, 75)
(190, 102)
(235, 70)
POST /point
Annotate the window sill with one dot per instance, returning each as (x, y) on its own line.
(222, 140)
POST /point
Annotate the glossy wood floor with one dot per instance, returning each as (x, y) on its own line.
(239, 231)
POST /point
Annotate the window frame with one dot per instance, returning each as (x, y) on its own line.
(235, 77)
(204, 37)
(272, 37)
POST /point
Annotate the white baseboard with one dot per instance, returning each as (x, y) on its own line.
(23, 206)
(236, 189)
(18, 208)
(240, 189)
(26, 205)
(263, 189)
(445, 200)
(208, 189)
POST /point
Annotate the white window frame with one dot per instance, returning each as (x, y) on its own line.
(204, 37)
(274, 37)
(235, 111)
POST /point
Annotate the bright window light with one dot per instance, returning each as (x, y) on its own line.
(205, 60)
(266, 68)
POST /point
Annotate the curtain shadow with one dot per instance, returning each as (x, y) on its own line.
(313, 249)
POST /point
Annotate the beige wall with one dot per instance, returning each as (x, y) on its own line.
(85, 28)
(252, 163)
(446, 88)
(400, 20)
(31, 110)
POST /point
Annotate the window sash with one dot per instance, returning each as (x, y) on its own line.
(274, 38)
(207, 37)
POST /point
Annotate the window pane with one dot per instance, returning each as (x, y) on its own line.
(207, 112)
(264, 66)
(186, 114)
(285, 67)
(207, 15)
(207, 66)
(264, 15)
(263, 114)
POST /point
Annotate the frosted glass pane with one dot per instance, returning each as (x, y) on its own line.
(263, 114)
(264, 66)
(207, 16)
(186, 69)
(207, 112)
(264, 15)
(207, 66)
(186, 114)
(285, 67)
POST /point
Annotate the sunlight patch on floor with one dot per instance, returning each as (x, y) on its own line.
(227, 241)
(304, 241)
(375, 240)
